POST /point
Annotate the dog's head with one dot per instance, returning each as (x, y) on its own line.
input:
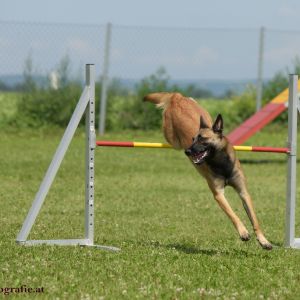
(207, 141)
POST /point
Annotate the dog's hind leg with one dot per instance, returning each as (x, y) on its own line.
(223, 203)
(248, 205)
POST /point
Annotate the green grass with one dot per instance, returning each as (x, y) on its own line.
(176, 242)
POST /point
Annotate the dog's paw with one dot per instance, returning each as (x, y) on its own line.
(266, 245)
(245, 237)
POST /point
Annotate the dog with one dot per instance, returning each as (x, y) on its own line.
(188, 126)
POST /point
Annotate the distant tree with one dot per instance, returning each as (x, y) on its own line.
(196, 92)
(147, 116)
(229, 94)
(280, 81)
(63, 70)
(3, 86)
(28, 82)
(157, 82)
(296, 65)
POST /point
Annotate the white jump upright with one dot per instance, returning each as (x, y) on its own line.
(85, 104)
(293, 109)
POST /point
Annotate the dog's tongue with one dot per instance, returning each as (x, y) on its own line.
(199, 156)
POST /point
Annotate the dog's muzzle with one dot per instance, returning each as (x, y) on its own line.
(188, 152)
(198, 156)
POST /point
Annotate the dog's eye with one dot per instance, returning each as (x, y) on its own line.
(201, 138)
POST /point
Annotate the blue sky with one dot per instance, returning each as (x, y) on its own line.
(226, 49)
(166, 13)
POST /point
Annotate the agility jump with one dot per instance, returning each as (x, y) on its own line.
(162, 145)
(86, 104)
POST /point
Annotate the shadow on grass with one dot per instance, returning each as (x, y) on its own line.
(264, 161)
(188, 249)
(192, 250)
(277, 244)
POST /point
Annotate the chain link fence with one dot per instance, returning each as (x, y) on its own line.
(135, 52)
(46, 45)
(214, 59)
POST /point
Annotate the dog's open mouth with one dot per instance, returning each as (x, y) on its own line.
(199, 157)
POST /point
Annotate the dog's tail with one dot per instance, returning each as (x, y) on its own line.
(160, 99)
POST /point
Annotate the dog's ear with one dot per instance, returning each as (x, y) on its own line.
(218, 124)
(203, 123)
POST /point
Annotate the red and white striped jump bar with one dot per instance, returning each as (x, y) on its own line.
(162, 145)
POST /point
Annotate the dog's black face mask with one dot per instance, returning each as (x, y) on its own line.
(199, 150)
(205, 143)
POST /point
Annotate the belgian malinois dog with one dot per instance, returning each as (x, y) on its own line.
(188, 126)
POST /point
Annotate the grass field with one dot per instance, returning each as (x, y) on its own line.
(176, 242)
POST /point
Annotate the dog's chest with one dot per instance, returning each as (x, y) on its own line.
(221, 165)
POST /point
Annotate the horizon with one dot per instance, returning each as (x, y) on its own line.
(217, 87)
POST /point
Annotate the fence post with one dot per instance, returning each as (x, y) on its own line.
(259, 84)
(103, 98)
(292, 162)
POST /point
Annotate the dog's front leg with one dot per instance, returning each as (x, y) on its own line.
(248, 205)
(219, 196)
(239, 184)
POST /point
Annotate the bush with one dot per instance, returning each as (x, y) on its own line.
(235, 110)
(134, 114)
(244, 105)
(275, 86)
(120, 113)
(41, 107)
(147, 116)
(130, 112)
(280, 81)
(45, 105)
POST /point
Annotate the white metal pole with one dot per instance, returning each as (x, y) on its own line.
(103, 99)
(86, 104)
(292, 162)
(89, 155)
(53, 167)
